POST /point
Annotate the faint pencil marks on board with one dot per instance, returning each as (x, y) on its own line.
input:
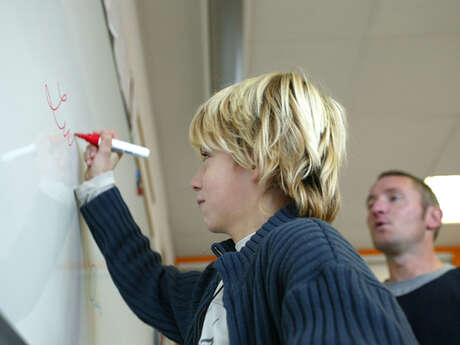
(92, 292)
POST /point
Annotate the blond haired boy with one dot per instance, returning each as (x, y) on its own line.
(271, 149)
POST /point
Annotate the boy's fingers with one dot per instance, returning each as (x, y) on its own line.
(106, 142)
(112, 133)
(89, 154)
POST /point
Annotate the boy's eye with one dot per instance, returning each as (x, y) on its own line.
(204, 155)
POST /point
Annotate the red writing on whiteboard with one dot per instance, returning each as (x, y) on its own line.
(55, 106)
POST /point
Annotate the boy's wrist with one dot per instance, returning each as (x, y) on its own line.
(90, 189)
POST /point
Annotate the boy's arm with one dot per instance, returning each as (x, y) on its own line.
(159, 295)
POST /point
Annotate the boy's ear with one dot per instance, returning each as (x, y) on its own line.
(433, 217)
(255, 174)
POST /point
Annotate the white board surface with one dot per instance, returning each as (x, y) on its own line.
(58, 78)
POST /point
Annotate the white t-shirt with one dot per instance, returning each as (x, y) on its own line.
(215, 330)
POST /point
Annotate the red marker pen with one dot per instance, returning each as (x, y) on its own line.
(117, 145)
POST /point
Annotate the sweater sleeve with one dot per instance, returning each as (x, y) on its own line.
(159, 295)
(341, 306)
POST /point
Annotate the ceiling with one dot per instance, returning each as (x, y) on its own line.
(393, 64)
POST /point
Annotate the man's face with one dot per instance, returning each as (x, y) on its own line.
(395, 215)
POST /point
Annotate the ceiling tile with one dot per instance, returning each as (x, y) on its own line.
(409, 76)
(416, 17)
(293, 20)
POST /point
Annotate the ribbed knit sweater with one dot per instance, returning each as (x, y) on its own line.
(297, 281)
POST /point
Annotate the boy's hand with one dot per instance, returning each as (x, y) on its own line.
(101, 159)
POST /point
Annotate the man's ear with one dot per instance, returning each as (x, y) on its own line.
(433, 217)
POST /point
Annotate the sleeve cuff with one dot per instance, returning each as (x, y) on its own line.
(88, 190)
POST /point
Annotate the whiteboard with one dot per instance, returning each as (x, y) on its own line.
(58, 78)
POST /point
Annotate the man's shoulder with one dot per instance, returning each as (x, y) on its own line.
(449, 279)
(433, 310)
(451, 276)
(448, 283)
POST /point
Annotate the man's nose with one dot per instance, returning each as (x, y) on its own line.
(378, 206)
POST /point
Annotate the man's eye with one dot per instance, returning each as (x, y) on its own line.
(394, 197)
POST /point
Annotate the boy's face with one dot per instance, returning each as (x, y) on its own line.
(225, 193)
(395, 214)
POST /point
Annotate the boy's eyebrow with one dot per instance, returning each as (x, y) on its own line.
(369, 198)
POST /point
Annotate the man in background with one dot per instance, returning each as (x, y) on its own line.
(404, 218)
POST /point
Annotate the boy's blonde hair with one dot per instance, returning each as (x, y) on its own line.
(285, 127)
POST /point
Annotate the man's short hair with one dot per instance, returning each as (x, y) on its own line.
(426, 193)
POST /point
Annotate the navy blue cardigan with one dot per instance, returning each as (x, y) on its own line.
(296, 281)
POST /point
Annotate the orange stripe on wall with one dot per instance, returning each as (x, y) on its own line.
(193, 259)
(454, 251)
(369, 252)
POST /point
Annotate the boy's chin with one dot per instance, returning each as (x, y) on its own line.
(216, 230)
